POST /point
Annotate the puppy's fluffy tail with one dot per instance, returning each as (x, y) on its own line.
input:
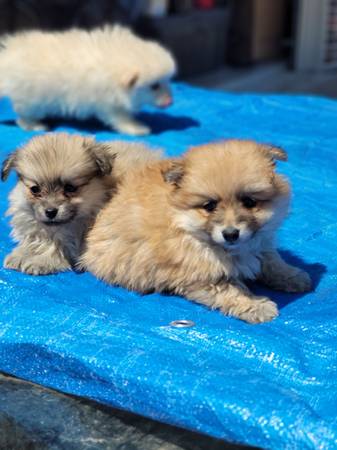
(131, 156)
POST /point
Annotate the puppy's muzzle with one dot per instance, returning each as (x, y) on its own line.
(231, 235)
(166, 101)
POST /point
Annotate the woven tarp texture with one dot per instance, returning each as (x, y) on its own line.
(272, 385)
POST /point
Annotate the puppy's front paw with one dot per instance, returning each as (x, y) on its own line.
(259, 311)
(37, 268)
(17, 262)
(13, 261)
(141, 130)
(300, 282)
(32, 265)
(134, 129)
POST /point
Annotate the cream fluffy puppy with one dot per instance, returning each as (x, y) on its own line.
(199, 227)
(63, 181)
(104, 73)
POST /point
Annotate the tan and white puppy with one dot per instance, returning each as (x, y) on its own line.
(107, 73)
(63, 182)
(199, 227)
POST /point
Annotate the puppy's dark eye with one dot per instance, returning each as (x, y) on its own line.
(35, 189)
(248, 202)
(69, 188)
(210, 205)
(155, 86)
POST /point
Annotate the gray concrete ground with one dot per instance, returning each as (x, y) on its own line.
(273, 77)
(35, 418)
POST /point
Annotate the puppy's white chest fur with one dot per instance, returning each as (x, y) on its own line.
(244, 264)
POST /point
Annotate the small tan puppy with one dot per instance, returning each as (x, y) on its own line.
(199, 226)
(64, 180)
(105, 73)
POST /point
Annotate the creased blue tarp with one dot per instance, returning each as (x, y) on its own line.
(271, 385)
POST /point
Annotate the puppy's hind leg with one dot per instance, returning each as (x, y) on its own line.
(31, 125)
(36, 260)
(234, 300)
(122, 122)
(27, 119)
(278, 275)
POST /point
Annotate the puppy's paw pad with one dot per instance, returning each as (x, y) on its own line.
(301, 282)
(261, 310)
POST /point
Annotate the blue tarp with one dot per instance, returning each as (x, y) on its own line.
(272, 385)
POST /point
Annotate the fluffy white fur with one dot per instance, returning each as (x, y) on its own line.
(104, 73)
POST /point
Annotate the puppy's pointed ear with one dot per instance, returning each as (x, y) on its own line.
(7, 166)
(130, 80)
(104, 158)
(276, 153)
(173, 172)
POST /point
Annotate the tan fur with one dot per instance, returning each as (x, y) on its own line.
(156, 234)
(52, 162)
(106, 73)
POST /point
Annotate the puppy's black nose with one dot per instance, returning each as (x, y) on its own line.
(51, 213)
(231, 234)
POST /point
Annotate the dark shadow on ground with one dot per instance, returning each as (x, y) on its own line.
(158, 122)
(316, 272)
(161, 122)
